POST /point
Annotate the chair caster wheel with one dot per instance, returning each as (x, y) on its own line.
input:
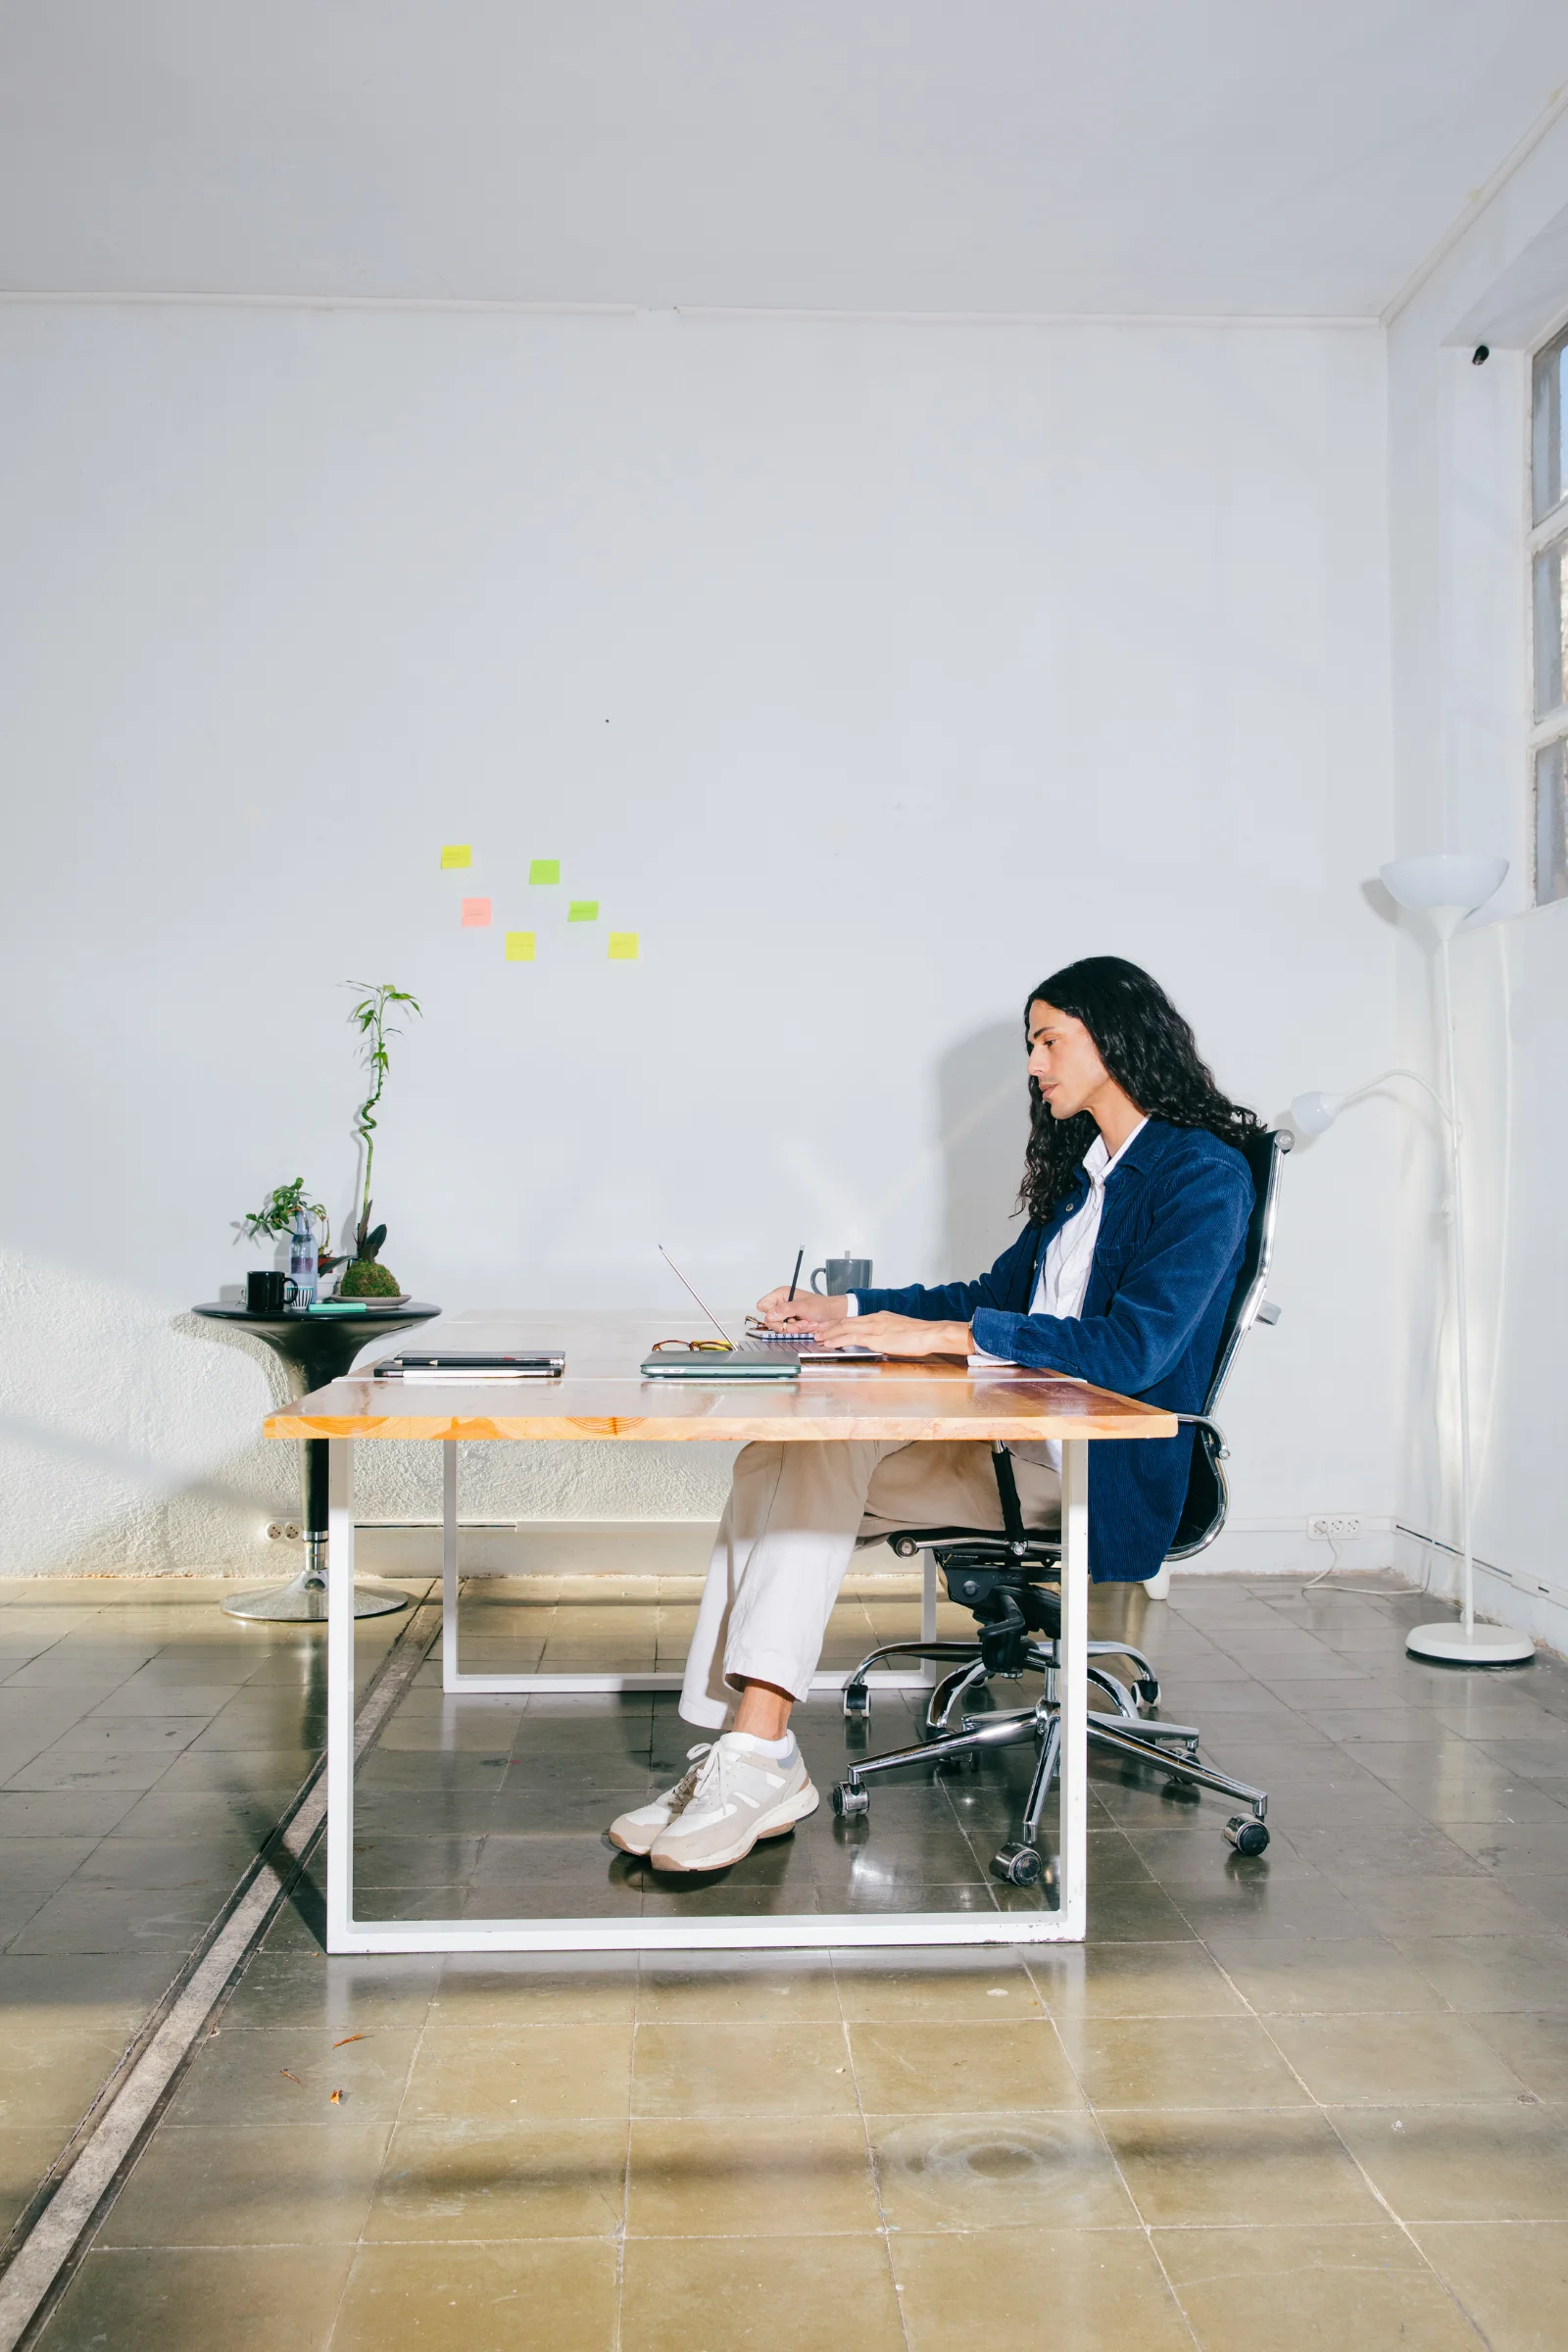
(856, 1704)
(1017, 1866)
(1249, 1837)
(1176, 1786)
(903, 1548)
(849, 1802)
(1148, 1691)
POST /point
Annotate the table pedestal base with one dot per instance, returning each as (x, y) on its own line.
(303, 1601)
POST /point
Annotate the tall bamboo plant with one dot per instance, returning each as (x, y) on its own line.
(371, 1017)
(362, 1275)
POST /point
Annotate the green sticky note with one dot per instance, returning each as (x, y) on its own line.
(584, 910)
(519, 947)
(457, 853)
(623, 947)
(544, 869)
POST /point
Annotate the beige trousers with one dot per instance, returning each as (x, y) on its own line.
(794, 1517)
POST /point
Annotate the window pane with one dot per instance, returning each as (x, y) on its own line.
(1549, 415)
(1552, 611)
(1552, 822)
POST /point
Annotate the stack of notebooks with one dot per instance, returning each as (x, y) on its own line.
(524, 1363)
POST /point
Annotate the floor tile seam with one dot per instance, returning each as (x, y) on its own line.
(619, 2235)
(391, 2123)
(883, 2226)
(1350, 2154)
(21, 1927)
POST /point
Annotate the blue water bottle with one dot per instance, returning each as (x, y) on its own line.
(302, 1259)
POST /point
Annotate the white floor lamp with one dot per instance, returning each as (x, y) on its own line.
(1445, 889)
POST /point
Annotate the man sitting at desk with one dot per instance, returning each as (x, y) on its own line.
(1138, 1209)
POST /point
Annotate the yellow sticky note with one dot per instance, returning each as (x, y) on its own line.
(584, 910)
(544, 869)
(623, 947)
(457, 853)
(519, 947)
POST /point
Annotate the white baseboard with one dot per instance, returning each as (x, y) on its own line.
(1283, 1547)
(680, 1546)
(542, 1547)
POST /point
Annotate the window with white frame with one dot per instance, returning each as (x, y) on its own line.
(1548, 567)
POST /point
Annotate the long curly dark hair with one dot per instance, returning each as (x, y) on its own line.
(1149, 1050)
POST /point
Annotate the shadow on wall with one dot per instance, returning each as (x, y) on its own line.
(983, 1119)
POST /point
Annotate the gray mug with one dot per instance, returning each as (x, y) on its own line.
(842, 1275)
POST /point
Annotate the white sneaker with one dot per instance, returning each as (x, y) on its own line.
(741, 1794)
(635, 1832)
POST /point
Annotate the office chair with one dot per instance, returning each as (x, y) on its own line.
(1012, 1582)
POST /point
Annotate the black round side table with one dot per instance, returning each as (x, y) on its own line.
(315, 1349)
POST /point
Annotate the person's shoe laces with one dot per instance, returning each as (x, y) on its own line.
(713, 1790)
(691, 1779)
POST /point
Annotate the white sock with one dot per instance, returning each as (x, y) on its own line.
(779, 1748)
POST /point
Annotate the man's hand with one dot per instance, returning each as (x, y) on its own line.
(907, 1335)
(805, 1311)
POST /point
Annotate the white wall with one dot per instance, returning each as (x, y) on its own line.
(901, 662)
(1459, 507)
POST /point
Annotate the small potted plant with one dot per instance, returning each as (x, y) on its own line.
(279, 1212)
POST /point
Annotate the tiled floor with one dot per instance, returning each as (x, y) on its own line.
(148, 1744)
(1318, 2099)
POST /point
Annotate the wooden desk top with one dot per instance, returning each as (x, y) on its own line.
(604, 1395)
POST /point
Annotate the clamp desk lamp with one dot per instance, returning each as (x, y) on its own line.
(1445, 889)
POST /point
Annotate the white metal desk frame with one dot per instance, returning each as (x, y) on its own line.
(455, 1684)
(714, 1931)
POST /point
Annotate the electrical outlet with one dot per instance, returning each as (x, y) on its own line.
(1333, 1524)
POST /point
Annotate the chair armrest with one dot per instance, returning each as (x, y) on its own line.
(1222, 1452)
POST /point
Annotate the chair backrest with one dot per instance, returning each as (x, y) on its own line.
(1208, 1498)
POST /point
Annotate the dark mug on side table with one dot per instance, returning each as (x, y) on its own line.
(268, 1290)
(842, 1275)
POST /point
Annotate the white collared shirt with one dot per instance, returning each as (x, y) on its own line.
(1064, 1277)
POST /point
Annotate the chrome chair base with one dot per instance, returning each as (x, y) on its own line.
(1170, 1748)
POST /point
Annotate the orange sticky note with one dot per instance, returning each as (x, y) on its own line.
(456, 853)
(519, 947)
(623, 947)
(477, 914)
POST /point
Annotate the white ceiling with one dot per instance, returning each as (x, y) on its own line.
(927, 155)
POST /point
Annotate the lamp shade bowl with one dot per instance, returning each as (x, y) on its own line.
(1450, 880)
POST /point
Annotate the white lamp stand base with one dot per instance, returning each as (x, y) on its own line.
(1483, 1646)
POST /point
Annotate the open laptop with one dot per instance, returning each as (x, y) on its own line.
(760, 1355)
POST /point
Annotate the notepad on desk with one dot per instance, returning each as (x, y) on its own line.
(818, 1352)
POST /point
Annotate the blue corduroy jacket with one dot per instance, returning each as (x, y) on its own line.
(1165, 1262)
